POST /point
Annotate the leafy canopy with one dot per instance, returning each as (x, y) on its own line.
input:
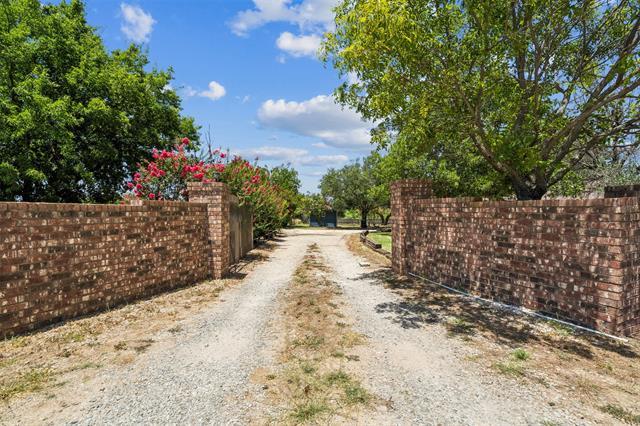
(355, 186)
(531, 86)
(74, 118)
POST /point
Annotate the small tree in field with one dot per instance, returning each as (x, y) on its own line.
(353, 187)
(530, 86)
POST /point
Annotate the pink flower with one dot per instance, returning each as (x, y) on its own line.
(152, 195)
(130, 185)
(185, 141)
(222, 155)
(138, 186)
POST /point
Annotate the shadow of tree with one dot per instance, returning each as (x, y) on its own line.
(423, 304)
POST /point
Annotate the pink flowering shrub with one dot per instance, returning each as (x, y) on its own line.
(165, 177)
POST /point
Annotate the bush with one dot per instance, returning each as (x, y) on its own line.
(165, 177)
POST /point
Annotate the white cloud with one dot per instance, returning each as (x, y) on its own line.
(304, 45)
(187, 91)
(319, 117)
(296, 156)
(215, 91)
(138, 24)
(310, 15)
(320, 145)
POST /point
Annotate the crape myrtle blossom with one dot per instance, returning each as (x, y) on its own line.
(165, 175)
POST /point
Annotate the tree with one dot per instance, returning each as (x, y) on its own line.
(74, 118)
(166, 174)
(453, 169)
(532, 87)
(286, 177)
(351, 187)
(313, 205)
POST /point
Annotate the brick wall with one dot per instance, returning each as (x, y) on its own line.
(575, 259)
(59, 261)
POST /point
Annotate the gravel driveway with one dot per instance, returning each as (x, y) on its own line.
(203, 374)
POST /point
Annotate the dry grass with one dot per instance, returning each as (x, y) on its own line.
(313, 381)
(594, 371)
(57, 358)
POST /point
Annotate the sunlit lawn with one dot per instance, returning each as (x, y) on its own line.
(383, 238)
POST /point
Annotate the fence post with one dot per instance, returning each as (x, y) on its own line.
(403, 193)
(216, 196)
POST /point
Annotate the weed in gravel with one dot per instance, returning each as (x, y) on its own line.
(142, 345)
(510, 368)
(86, 365)
(19, 342)
(337, 377)
(120, 346)
(308, 411)
(621, 414)
(7, 362)
(32, 380)
(307, 368)
(356, 394)
(309, 341)
(175, 329)
(521, 354)
(337, 354)
(460, 327)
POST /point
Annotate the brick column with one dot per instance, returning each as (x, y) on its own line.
(403, 192)
(216, 196)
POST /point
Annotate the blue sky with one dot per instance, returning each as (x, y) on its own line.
(247, 70)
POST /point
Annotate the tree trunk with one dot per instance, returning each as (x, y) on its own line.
(363, 219)
(528, 193)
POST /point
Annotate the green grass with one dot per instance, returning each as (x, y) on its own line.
(510, 368)
(308, 411)
(621, 414)
(30, 381)
(521, 354)
(383, 238)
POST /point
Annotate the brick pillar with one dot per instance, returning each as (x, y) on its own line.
(216, 196)
(403, 192)
(622, 191)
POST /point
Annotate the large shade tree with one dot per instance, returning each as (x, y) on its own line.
(74, 118)
(531, 86)
(355, 186)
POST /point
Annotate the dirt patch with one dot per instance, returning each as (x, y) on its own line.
(51, 361)
(315, 379)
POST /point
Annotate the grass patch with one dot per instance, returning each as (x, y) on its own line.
(458, 326)
(356, 394)
(382, 238)
(307, 379)
(87, 365)
(621, 414)
(510, 368)
(307, 368)
(521, 354)
(308, 411)
(310, 342)
(337, 378)
(30, 381)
